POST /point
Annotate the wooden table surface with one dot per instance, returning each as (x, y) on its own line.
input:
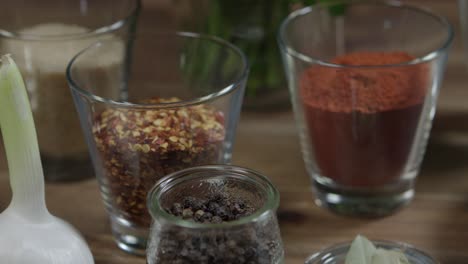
(436, 221)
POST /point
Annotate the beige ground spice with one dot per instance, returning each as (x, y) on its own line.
(42, 63)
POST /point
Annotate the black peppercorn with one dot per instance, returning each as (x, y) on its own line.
(214, 247)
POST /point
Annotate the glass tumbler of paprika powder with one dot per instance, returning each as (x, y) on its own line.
(167, 110)
(364, 78)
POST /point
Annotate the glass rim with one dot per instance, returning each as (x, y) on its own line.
(405, 247)
(234, 85)
(434, 53)
(166, 183)
(88, 34)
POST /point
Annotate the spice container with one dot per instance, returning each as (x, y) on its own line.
(43, 48)
(169, 115)
(214, 214)
(364, 105)
(337, 254)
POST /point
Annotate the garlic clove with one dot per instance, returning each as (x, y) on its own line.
(361, 251)
(382, 256)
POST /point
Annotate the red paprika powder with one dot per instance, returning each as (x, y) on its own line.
(362, 121)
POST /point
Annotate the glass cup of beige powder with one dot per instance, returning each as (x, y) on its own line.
(42, 37)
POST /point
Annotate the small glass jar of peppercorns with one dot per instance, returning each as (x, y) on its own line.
(214, 214)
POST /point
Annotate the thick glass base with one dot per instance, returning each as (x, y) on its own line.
(129, 238)
(362, 203)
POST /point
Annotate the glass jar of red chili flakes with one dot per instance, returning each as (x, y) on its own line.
(176, 112)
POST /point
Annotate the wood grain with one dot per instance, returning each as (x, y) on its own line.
(436, 221)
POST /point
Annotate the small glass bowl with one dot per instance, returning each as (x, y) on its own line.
(336, 254)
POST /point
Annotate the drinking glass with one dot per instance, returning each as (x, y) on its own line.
(337, 254)
(42, 37)
(462, 14)
(364, 126)
(250, 239)
(169, 109)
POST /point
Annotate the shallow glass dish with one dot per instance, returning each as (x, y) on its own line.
(336, 254)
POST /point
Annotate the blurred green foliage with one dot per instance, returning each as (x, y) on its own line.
(252, 26)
